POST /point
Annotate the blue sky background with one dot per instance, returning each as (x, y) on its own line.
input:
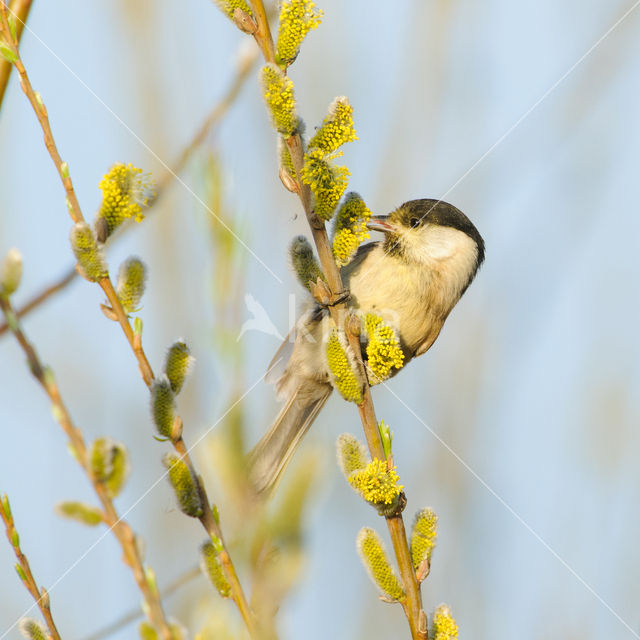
(520, 425)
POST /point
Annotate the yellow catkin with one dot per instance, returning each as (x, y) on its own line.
(278, 94)
(350, 228)
(109, 462)
(377, 564)
(326, 181)
(423, 536)
(178, 364)
(32, 629)
(211, 567)
(184, 485)
(304, 261)
(229, 6)
(444, 627)
(351, 454)
(132, 278)
(297, 18)
(336, 129)
(375, 483)
(125, 193)
(87, 252)
(341, 367)
(80, 512)
(383, 349)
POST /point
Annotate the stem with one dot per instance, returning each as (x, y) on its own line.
(135, 614)
(40, 596)
(263, 34)
(213, 118)
(20, 9)
(120, 528)
(146, 371)
(413, 603)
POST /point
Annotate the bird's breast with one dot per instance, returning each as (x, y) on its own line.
(408, 296)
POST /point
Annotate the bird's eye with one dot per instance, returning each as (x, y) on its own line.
(414, 222)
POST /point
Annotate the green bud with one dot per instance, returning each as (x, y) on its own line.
(137, 326)
(386, 435)
(184, 484)
(6, 507)
(109, 462)
(211, 567)
(150, 576)
(147, 632)
(8, 53)
(163, 406)
(352, 455)
(15, 538)
(87, 253)
(423, 538)
(375, 561)
(13, 27)
(304, 261)
(21, 573)
(10, 272)
(132, 278)
(80, 512)
(64, 170)
(32, 629)
(177, 365)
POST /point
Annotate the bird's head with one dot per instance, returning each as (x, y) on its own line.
(432, 232)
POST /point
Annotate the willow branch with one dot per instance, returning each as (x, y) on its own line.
(135, 614)
(120, 528)
(213, 118)
(207, 519)
(40, 595)
(339, 311)
(20, 9)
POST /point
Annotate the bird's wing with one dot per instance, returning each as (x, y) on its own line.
(281, 358)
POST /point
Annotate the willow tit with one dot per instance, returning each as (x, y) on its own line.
(412, 279)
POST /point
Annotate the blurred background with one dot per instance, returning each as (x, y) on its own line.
(519, 427)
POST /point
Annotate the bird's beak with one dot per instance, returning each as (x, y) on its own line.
(381, 223)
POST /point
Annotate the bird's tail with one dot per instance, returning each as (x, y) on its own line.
(271, 455)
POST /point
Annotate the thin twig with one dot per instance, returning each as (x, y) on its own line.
(413, 604)
(213, 118)
(20, 9)
(207, 519)
(40, 595)
(135, 614)
(120, 528)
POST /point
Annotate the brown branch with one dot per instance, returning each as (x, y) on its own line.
(413, 603)
(207, 519)
(40, 595)
(120, 528)
(212, 119)
(20, 9)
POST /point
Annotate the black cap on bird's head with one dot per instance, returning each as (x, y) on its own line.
(419, 214)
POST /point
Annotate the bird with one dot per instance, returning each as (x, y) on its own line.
(412, 279)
